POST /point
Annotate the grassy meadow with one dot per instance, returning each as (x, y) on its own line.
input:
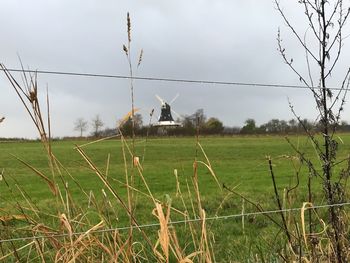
(239, 162)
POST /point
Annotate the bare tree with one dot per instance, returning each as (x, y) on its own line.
(81, 126)
(326, 21)
(96, 124)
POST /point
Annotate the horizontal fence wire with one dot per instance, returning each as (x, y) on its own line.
(214, 218)
(207, 82)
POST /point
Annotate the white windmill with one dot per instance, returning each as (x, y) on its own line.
(166, 119)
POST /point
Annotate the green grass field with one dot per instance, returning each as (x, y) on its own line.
(238, 162)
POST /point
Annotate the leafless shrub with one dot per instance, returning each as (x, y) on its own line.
(326, 22)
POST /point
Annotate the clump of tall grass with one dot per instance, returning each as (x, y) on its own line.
(75, 231)
(68, 234)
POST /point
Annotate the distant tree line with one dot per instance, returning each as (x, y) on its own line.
(199, 121)
(276, 126)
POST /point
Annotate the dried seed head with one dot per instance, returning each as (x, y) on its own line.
(32, 95)
(125, 49)
(129, 27)
(140, 58)
(136, 161)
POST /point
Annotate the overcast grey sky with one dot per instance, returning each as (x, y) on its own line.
(223, 40)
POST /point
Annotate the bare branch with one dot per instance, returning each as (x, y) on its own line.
(342, 88)
(290, 62)
(337, 4)
(314, 7)
(308, 63)
(311, 23)
(293, 30)
(341, 23)
(304, 159)
(308, 133)
(346, 82)
(338, 38)
(282, 51)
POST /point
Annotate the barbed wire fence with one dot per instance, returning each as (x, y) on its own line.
(213, 218)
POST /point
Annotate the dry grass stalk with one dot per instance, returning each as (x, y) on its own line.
(178, 191)
(163, 233)
(49, 182)
(29, 98)
(99, 140)
(151, 197)
(204, 244)
(17, 249)
(28, 201)
(8, 218)
(129, 196)
(41, 229)
(302, 213)
(112, 191)
(208, 165)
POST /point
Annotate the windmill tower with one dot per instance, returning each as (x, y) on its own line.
(166, 119)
